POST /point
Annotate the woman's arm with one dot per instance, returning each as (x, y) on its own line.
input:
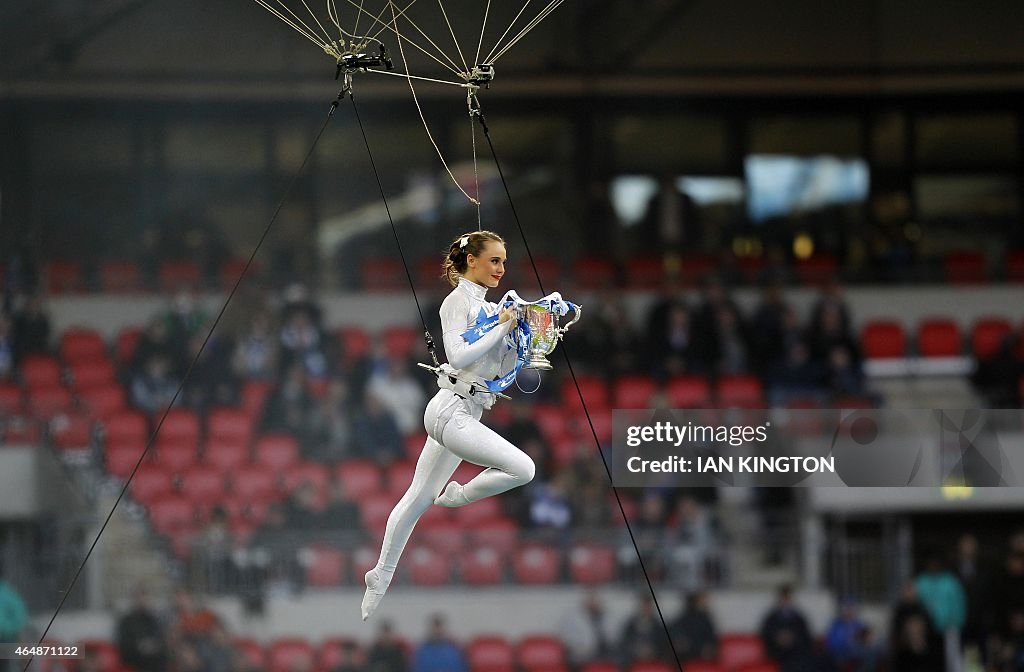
(454, 323)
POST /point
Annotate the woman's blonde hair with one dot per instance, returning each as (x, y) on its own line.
(455, 261)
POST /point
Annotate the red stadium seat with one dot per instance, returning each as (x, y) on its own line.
(355, 344)
(479, 512)
(359, 477)
(364, 559)
(71, 430)
(703, 666)
(651, 666)
(181, 425)
(307, 472)
(80, 344)
(125, 426)
(325, 566)
(594, 390)
(106, 654)
(171, 514)
(522, 273)
(331, 655)
(490, 653)
(540, 652)
(634, 391)
(693, 268)
(255, 481)
(64, 276)
(444, 536)
(482, 566)
(375, 509)
(120, 276)
(48, 401)
(763, 666)
(277, 451)
(230, 423)
(21, 429)
(11, 399)
(254, 396)
(737, 649)
(689, 392)
(428, 272)
(599, 666)
(551, 419)
(883, 339)
(645, 272)
(750, 268)
(40, 370)
(593, 273)
(86, 375)
(427, 567)
(151, 482)
(103, 401)
(401, 342)
(225, 454)
(939, 337)
(399, 476)
(203, 485)
(287, 654)
(1015, 266)
(592, 564)
(177, 275)
(384, 274)
(414, 445)
(817, 270)
(740, 391)
(988, 335)
(231, 270)
(501, 534)
(965, 267)
(252, 653)
(127, 341)
(121, 458)
(536, 565)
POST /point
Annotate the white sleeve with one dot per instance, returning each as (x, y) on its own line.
(455, 321)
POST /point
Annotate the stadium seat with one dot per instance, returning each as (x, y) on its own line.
(540, 652)
(703, 666)
(254, 396)
(71, 430)
(536, 565)
(414, 445)
(482, 566)
(231, 270)
(490, 653)
(90, 374)
(252, 653)
(428, 272)
(151, 482)
(21, 429)
(288, 654)
(1015, 266)
(326, 566)
(634, 391)
(593, 388)
(550, 419)
(181, 425)
(203, 484)
(694, 267)
(171, 514)
(257, 482)
(225, 454)
(522, 274)
(401, 342)
(818, 269)
(127, 341)
(501, 534)
(359, 477)
(645, 272)
(651, 666)
(103, 401)
(355, 344)
(125, 426)
(11, 399)
(80, 344)
(593, 273)
(277, 451)
(479, 512)
(750, 268)
(178, 275)
(763, 666)
(591, 564)
(230, 423)
(427, 567)
(739, 391)
(40, 370)
(364, 559)
(883, 339)
(689, 392)
(330, 655)
(988, 335)
(121, 458)
(374, 510)
(445, 536)
(108, 659)
(64, 276)
(939, 337)
(965, 267)
(47, 401)
(120, 277)
(383, 274)
(307, 472)
(399, 476)
(738, 649)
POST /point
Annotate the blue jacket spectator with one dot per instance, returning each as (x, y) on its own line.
(13, 615)
(942, 596)
(439, 653)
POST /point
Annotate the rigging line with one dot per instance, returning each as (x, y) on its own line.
(394, 230)
(404, 13)
(529, 27)
(525, 5)
(315, 18)
(461, 85)
(332, 14)
(454, 39)
(470, 99)
(312, 32)
(420, 110)
(185, 379)
(359, 16)
(480, 43)
(586, 411)
(387, 26)
(291, 23)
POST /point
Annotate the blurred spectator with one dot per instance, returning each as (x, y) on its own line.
(914, 650)
(438, 653)
(154, 387)
(943, 597)
(89, 662)
(302, 343)
(185, 318)
(211, 381)
(140, 636)
(909, 607)
(349, 659)
(376, 433)
(255, 355)
(844, 376)
(211, 553)
(216, 650)
(192, 622)
(671, 348)
(289, 404)
(269, 550)
(550, 510)
(786, 636)
(706, 337)
(693, 538)
(732, 341)
(156, 341)
(846, 643)
(796, 377)
(302, 510)
(342, 514)
(830, 329)
(13, 616)
(31, 328)
(1010, 655)
(643, 636)
(386, 653)
(649, 539)
(330, 425)
(607, 341)
(586, 631)
(998, 377)
(693, 631)
(6, 348)
(1010, 596)
(771, 328)
(978, 593)
(400, 393)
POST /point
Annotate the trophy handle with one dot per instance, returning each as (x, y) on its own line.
(576, 318)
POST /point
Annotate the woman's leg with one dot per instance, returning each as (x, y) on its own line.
(433, 469)
(507, 466)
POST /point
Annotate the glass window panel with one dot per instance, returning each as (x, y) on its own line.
(805, 136)
(973, 197)
(677, 144)
(966, 140)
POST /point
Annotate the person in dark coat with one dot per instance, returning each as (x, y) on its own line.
(643, 637)
(386, 653)
(784, 631)
(693, 632)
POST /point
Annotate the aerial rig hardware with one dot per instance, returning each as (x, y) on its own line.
(481, 75)
(350, 62)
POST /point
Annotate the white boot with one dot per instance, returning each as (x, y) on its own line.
(377, 582)
(452, 496)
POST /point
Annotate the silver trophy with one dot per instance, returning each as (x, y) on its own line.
(544, 333)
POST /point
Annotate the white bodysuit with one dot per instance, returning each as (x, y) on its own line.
(455, 433)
